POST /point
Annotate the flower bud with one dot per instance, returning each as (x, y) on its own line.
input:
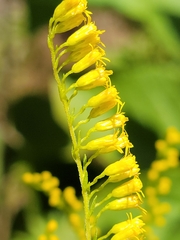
(85, 32)
(91, 42)
(115, 121)
(132, 186)
(77, 54)
(107, 95)
(103, 108)
(132, 201)
(133, 224)
(100, 143)
(131, 228)
(123, 175)
(91, 58)
(94, 78)
(121, 142)
(123, 165)
(108, 143)
(69, 24)
(68, 8)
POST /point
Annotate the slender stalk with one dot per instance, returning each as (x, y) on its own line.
(75, 152)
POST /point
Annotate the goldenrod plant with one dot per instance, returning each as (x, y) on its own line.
(158, 190)
(143, 44)
(83, 52)
(97, 129)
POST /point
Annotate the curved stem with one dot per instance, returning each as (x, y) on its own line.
(76, 154)
(98, 189)
(95, 180)
(104, 199)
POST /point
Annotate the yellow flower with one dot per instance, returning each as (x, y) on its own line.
(49, 184)
(101, 143)
(103, 108)
(71, 199)
(52, 226)
(172, 157)
(92, 57)
(76, 54)
(94, 78)
(55, 197)
(173, 136)
(86, 33)
(121, 142)
(103, 97)
(134, 171)
(164, 185)
(132, 186)
(132, 201)
(37, 178)
(75, 220)
(160, 145)
(116, 121)
(123, 165)
(108, 143)
(131, 228)
(46, 175)
(27, 178)
(80, 43)
(83, 50)
(69, 8)
(69, 24)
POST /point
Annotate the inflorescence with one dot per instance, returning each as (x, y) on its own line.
(83, 53)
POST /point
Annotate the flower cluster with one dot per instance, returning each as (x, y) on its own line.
(51, 227)
(83, 53)
(159, 183)
(65, 200)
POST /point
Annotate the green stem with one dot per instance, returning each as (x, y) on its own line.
(98, 189)
(76, 154)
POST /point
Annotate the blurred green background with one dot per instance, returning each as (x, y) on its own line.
(142, 40)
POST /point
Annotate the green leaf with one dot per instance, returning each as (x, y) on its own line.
(153, 19)
(151, 93)
(168, 6)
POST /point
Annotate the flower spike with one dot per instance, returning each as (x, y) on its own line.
(85, 58)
